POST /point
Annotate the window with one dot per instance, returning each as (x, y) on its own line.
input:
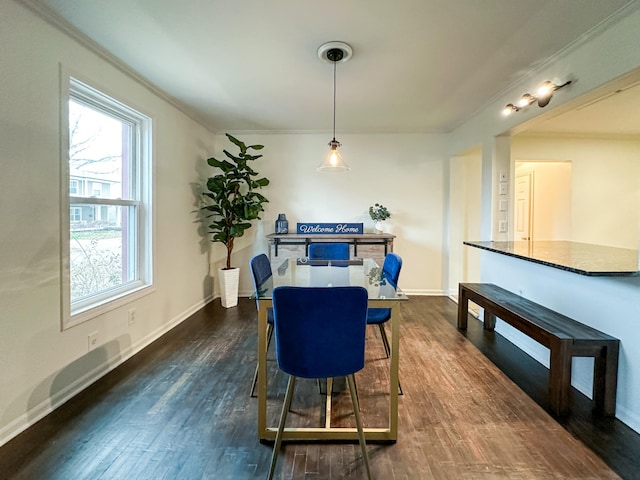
(75, 214)
(108, 255)
(73, 187)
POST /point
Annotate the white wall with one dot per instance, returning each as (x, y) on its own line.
(403, 172)
(609, 303)
(605, 186)
(40, 365)
(465, 180)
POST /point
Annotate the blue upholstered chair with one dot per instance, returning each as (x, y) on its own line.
(329, 251)
(261, 272)
(320, 333)
(379, 316)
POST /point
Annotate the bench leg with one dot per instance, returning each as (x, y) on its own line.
(463, 308)
(489, 320)
(605, 379)
(560, 376)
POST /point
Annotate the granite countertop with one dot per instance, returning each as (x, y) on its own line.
(580, 258)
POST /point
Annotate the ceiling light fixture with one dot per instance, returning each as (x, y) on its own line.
(509, 109)
(526, 100)
(543, 97)
(334, 52)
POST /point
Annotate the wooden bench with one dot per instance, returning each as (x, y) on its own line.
(563, 336)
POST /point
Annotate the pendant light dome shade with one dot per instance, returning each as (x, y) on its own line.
(334, 52)
(334, 162)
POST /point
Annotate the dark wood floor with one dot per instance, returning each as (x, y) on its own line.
(181, 409)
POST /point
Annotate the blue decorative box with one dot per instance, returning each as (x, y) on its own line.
(330, 228)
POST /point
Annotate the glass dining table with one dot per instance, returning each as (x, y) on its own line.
(303, 272)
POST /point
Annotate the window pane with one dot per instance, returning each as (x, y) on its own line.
(100, 254)
(107, 253)
(99, 153)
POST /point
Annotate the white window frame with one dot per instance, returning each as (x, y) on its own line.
(141, 185)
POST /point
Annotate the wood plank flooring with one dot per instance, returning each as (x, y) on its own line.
(181, 409)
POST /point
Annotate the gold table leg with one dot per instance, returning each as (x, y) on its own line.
(388, 434)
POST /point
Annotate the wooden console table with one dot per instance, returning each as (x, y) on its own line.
(293, 245)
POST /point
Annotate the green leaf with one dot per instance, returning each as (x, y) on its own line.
(232, 200)
(262, 182)
(238, 143)
(260, 198)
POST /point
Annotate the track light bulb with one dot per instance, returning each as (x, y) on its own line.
(509, 109)
(546, 89)
(527, 99)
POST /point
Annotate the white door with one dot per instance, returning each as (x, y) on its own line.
(523, 210)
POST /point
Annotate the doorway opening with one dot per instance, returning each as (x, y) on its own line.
(542, 200)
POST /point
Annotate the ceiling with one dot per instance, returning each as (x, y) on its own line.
(252, 65)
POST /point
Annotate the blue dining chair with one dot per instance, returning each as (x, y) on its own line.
(261, 272)
(379, 316)
(329, 251)
(320, 333)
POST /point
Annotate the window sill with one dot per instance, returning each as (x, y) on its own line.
(95, 311)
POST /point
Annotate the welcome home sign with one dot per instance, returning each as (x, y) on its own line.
(330, 228)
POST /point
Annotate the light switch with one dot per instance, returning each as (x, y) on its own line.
(503, 189)
(503, 205)
(503, 176)
(502, 226)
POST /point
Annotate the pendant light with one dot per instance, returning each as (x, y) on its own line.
(334, 52)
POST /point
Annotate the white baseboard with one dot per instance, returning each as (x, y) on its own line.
(421, 292)
(47, 406)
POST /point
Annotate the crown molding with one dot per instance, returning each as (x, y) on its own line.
(58, 22)
(556, 56)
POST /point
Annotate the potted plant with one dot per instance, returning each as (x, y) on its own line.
(378, 214)
(233, 202)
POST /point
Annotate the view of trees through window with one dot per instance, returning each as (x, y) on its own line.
(99, 151)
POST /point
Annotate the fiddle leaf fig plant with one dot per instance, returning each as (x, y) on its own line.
(233, 197)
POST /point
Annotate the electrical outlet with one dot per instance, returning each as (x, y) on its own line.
(502, 226)
(92, 340)
(131, 319)
(503, 206)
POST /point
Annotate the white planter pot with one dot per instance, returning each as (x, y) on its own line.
(379, 227)
(228, 282)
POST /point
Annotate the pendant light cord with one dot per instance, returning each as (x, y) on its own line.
(334, 100)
